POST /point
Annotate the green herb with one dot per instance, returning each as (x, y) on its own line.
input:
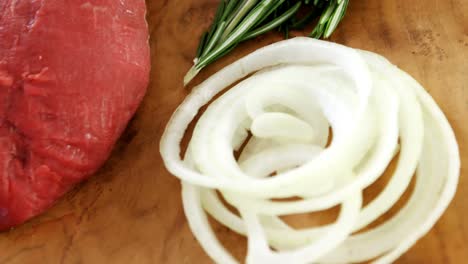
(239, 20)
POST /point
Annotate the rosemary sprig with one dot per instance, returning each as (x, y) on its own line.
(239, 20)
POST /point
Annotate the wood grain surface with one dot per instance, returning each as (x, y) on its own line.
(130, 212)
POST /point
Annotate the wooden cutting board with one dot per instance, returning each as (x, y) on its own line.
(130, 212)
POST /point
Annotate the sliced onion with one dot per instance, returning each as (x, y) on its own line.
(300, 88)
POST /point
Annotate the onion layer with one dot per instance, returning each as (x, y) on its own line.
(300, 88)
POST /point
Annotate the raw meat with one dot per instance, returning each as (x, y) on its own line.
(72, 73)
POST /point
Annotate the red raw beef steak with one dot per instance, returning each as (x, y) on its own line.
(72, 74)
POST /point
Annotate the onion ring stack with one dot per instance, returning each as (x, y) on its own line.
(298, 90)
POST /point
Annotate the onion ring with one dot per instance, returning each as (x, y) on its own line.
(298, 90)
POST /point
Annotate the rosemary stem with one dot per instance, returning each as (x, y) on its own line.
(191, 74)
(236, 21)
